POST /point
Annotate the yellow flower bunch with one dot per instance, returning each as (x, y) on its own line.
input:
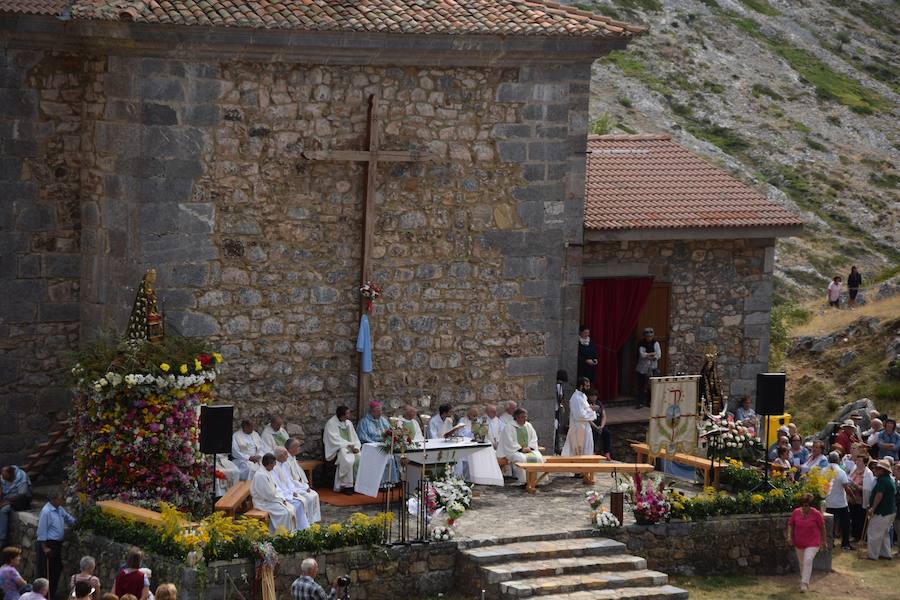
(735, 463)
(776, 493)
(183, 369)
(165, 367)
(217, 357)
(198, 366)
(757, 498)
(335, 529)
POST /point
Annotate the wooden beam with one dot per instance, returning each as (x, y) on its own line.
(367, 156)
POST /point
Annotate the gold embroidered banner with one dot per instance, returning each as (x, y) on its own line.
(673, 414)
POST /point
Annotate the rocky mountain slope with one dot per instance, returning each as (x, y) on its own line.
(797, 97)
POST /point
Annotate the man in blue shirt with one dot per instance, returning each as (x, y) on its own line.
(50, 532)
(15, 494)
(887, 440)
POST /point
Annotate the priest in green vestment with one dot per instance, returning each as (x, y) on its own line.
(519, 443)
(342, 446)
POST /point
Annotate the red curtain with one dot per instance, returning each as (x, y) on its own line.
(611, 310)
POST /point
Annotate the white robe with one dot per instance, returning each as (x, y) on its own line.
(301, 487)
(466, 430)
(417, 429)
(243, 446)
(336, 450)
(231, 471)
(266, 497)
(269, 443)
(495, 429)
(285, 486)
(437, 427)
(507, 419)
(579, 440)
(510, 447)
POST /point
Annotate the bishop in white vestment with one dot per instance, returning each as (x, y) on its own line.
(301, 484)
(580, 440)
(286, 486)
(246, 449)
(274, 435)
(267, 497)
(519, 444)
(342, 446)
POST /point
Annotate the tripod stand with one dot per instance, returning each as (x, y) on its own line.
(765, 484)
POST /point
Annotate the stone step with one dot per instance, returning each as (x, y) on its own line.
(560, 566)
(565, 548)
(662, 592)
(577, 582)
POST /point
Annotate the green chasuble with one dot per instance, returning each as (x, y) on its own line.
(280, 438)
(522, 437)
(410, 428)
(345, 434)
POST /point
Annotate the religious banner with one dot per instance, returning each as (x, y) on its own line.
(673, 414)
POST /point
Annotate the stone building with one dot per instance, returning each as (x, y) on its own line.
(178, 135)
(702, 242)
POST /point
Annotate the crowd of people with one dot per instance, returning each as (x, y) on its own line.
(132, 581)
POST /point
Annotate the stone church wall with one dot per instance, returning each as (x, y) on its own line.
(195, 167)
(721, 294)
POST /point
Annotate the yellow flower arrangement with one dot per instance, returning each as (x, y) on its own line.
(183, 369)
(757, 498)
(217, 357)
(165, 367)
(776, 493)
(335, 529)
(198, 366)
(735, 463)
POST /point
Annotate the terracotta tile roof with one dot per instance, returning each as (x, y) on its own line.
(650, 182)
(488, 17)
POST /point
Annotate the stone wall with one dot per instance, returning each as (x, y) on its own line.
(739, 544)
(721, 294)
(44, 99)
(414, 571)
(196, 167)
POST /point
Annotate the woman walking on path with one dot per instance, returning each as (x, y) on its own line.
(806, 533)
(854, 282)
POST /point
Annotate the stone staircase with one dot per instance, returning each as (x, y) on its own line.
(584, 567)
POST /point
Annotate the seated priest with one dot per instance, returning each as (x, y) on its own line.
(246, 449)
(370, 429)
(301, 484)
(510, 410)
(266, 496)
(410, 422)
(441, 424)
(286, 486)
(468, 421)
(274, 435)
(519, 443)
(342, 446)
(227, 474)
(495, 425)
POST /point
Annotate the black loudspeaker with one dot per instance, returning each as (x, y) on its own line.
(770, 393)
(215, 429)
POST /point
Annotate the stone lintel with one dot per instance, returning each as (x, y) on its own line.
(692, 233)
(285, 45)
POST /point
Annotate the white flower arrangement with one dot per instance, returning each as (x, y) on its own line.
(606, 520)
(442, 534)
(176, 382)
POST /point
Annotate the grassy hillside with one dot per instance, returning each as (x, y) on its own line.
(797, 98)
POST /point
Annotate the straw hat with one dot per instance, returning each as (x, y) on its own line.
(881, 464)
(848, 423)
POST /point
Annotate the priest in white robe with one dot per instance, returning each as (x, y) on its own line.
(274, 435)
(441, 424)
(510, 410)
(266, 496)
(495, 425)
(286, 486)
(301, 484)
(580, 440)
(410, 422)
(246, 449)
(342, 446)
(519, 444)
(227, 474)
(468, 422)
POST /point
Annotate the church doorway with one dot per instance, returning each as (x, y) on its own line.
(617, 309)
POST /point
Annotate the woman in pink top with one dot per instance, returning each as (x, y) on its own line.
(806, 532)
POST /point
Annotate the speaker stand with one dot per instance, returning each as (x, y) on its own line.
(212, 487)
(765, 484)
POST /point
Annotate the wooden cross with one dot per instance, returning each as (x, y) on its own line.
(371, 155)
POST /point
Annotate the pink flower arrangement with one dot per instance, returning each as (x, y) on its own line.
(650, 504)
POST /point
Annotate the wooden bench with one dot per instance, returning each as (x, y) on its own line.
(309, 466)
(503, 461)
(642, 451)
(532, 470)
(237, 501)
(131, 512)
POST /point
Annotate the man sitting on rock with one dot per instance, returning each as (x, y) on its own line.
(519, 444)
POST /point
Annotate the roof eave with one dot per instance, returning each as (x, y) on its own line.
(692, 233)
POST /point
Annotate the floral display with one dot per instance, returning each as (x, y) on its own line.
(605, 520)
(450, 494)
(396, 438)
(442, 534)
(594, 499)
(480, 430)
(726, 438)
(136, 412)
(649, 503)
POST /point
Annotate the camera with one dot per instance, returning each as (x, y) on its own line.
(343, 580)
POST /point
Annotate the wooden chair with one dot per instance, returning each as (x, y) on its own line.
(534, 472)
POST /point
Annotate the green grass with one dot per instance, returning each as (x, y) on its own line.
(725, 139)
(762, 7)
(760, 89)
(625, 102)
(713, 87)
(815, 145)
(631, 66)
(800, 127)
(602, 124)
(889, 181)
